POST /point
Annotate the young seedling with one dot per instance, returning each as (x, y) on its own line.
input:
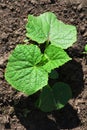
(86, 48)
(29, 68)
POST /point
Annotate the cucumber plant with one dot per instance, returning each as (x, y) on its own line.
(29, 68)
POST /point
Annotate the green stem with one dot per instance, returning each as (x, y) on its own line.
(47, 43)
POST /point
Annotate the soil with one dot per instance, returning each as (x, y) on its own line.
(17, 111)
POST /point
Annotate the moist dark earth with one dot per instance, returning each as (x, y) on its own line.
(17, 111)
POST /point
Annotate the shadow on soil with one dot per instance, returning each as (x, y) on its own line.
(66, 118)
(72, 74)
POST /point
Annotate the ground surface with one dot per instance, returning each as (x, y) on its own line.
(17, 112)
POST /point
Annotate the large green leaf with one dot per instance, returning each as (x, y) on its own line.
(46, 27)
(54, 98)
(56, 57)
(23, 72)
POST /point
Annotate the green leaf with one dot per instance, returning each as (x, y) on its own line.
(34, 29)
(86, 48)
(54, 98)
(62, 93)
(23, 72)
(46, 100)
(46, 27)
(56, 57)
(53, 74)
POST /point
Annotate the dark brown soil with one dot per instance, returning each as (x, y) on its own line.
(17, 111)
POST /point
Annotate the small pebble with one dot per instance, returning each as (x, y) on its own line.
(79, 7)
(3, 6)
(4, 35)
(82, 15)
(11, 8)
(74, 8)
(72, 20)
(82, 29)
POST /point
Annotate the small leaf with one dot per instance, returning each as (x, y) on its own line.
(62, 93)
(47, 27)
(86, 48)
(56, 57)
(53, 74)
(54, 98)
(22, 71)
(46, 100)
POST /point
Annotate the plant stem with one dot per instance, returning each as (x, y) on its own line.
(47, 43)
